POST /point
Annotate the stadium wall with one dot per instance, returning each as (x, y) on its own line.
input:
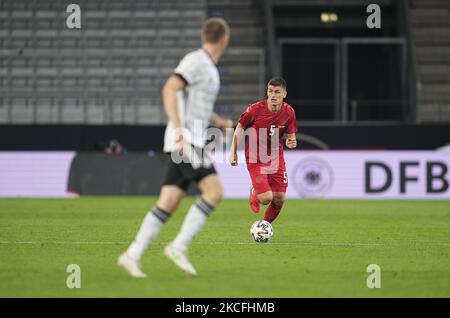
(311, 174)
(144, 138)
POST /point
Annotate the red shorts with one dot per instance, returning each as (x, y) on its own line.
(264, 180)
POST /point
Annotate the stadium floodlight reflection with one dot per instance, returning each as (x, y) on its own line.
(328, 17)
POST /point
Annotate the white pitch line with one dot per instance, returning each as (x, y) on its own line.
(61, 242)
(408, 243)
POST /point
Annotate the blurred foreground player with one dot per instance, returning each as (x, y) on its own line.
(268, 120)
(189, 95)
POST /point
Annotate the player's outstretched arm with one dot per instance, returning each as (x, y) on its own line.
(291, 141)
(220, 122)
(235, 143)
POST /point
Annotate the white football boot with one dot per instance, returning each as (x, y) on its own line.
(132, 266)
(179, 257)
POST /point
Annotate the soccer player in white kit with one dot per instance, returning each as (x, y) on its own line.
(188, 95)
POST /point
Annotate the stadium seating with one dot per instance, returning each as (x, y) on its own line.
(110, 71)
(242, 67)
(431, 30)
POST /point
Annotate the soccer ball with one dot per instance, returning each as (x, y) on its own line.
(261, 231)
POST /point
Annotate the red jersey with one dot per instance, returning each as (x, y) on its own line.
(266, 124)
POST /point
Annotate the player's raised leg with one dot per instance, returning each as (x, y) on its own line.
(275, 206)
(265, 197)
(169, 199)
(211, 195)
(257, 199)
(260, 193)
(254, 202)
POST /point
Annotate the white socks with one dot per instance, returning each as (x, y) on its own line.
(193, 223)
(150, 228)
(154, 221)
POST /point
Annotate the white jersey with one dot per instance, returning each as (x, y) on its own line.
(196, 102)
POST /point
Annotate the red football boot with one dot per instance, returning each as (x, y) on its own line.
(254, 203)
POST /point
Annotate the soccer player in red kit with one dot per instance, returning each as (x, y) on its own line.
(267, 119)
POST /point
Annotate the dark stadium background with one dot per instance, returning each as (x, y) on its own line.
(352, 87)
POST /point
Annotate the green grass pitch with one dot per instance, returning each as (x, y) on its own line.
(320, 249)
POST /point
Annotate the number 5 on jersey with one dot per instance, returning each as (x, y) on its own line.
(272, 130)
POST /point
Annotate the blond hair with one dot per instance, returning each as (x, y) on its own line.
(214, 29)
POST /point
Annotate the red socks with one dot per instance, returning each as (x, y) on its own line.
(272, 212)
